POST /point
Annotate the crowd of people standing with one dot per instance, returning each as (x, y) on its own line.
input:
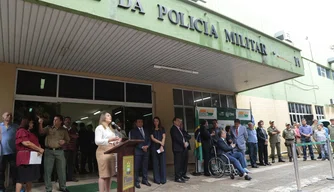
(64, 140)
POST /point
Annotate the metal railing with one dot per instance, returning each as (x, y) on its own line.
(295, 159)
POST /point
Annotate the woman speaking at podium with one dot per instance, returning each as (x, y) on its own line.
(105, 139)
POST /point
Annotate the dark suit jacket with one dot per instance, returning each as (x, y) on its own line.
(187, 137)
(135, 134)
(223, 147)
(177, 139)
(205, 137)
(261, 137)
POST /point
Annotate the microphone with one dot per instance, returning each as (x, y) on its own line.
(114, 124)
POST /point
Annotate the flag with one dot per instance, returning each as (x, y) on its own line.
(198, 143)
(252, 117)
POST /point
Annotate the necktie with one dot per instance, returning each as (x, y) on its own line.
(142, 132)
(237, 131)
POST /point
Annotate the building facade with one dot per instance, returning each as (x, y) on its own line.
(164, 57)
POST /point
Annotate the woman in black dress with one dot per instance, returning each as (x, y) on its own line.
(158, 137)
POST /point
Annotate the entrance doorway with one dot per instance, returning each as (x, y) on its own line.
(88, 114)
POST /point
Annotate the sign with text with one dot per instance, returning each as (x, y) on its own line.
(226, 114)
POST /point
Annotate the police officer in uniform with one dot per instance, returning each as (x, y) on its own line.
(56, 137)
(289, 136)
(275, 142)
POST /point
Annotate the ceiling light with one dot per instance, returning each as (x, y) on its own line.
(97, 112)
(118, 112)
(205, 98)
(42, 84)
(84, 118)
(175, 69)
(149, 114)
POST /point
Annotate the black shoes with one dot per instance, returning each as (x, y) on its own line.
(255, 166)
(137, 185)
(186, 177)
(281, 160)
(180, 180)
(248, 178)
(146, 183)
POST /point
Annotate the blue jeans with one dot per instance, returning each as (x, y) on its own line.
(310, 147)
(252, 153)
(237, 160)
(324, 151)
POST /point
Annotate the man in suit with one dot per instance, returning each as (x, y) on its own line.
(187, 138)
(239, 137)
(141, 151)
(206, 145)
(262, 143)
(236, 158)
(179, 146)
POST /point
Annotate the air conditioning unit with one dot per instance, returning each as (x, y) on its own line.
(283, 36)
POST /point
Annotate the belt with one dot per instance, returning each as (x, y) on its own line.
(290, 139)
(59, 148)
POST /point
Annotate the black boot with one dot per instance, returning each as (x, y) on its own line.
(281, 160)
(273, 160)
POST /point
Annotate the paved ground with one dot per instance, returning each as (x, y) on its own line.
(276, 178)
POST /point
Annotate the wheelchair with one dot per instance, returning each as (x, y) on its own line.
(220, 166)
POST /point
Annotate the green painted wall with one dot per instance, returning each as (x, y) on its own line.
(109, 10)
(309, 89)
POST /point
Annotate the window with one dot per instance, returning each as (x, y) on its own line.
(138, 93)
(215, 100)
(75, 87)
(207, 99)
(198, 99)
(223, 101)
(319, 110)
(185, 108)
(37, 84)
(298, 111)
(109, 90)
(231, 101)
(188, 98)
(324, 72)
(178, 98)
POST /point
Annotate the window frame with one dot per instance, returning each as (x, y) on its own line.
(88, 101)
(319, 110)
(298, 110)
(184, 107)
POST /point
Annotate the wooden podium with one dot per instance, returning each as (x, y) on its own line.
(125, 164)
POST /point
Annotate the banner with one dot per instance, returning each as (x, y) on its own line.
(243, 114)
(206, 112)
(226, 114)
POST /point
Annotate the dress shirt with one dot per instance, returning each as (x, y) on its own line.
(8, 138)
(102, 135)
(305, 130)
(297, 133)
(252, 136)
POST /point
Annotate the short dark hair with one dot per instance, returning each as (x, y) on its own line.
(68, 117)
(215, 120)
(174, 119)
(227, 128)
(203, 122)
(60, 117)
(259, 123)
(236, 120)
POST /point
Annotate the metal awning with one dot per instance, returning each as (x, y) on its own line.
(37, 35)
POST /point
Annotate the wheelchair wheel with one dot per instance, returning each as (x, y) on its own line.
(216, 167)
